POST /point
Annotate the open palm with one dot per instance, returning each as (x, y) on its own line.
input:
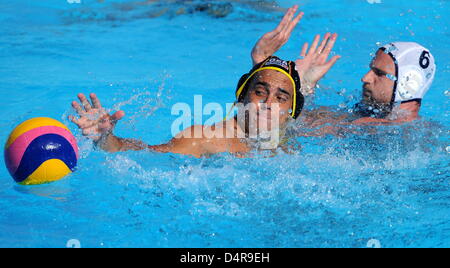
(93, 120)
(314, 64)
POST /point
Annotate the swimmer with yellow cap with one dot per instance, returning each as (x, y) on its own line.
(267, 99)
(270, 93)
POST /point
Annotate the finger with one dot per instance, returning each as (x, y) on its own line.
(95, 101)
(314, 45)
(118, 115)
(81, 124)
(78, 108)
(87, 124)
(324, 42)
(106, 119)
(289, 19)
(330, 45)
(90, 131)
(294, 23)
(327, 50)
(85, 102)
(284, 21)
(304, 50)
(74, 120)
(332, 61)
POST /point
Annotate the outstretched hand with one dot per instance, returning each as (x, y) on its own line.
(271, 42)
(314, 64)
(93, 120)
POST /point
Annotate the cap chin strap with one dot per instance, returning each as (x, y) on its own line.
(392, 77)
(413, 100)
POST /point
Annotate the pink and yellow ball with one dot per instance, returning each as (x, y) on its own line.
(40, 150)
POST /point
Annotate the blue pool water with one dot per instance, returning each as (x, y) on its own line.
(391, 187)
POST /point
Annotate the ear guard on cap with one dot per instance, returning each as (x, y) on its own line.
(277, 64)
(415, 70)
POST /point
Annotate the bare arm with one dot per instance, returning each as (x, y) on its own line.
(98, 125)
(323, 122)
(272, 41)
(313, 64)
(183, 146)
(369, 121)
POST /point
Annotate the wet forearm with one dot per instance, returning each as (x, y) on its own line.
(113, 144)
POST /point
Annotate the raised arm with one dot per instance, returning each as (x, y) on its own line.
(313, 64)
(272, 41)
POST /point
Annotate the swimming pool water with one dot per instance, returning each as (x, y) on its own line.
(143, 58)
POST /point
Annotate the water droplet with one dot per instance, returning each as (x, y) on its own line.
(73, 243)
(374, 243)
(447, 93)
(342, 92)
(448, 149)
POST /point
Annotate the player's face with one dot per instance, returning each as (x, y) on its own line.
(378, 87)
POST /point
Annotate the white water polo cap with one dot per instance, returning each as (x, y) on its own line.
(415, 70)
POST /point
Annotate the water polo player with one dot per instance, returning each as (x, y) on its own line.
(268, 97)
(400, 75)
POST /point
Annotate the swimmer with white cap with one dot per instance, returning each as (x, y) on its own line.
(400, 75)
